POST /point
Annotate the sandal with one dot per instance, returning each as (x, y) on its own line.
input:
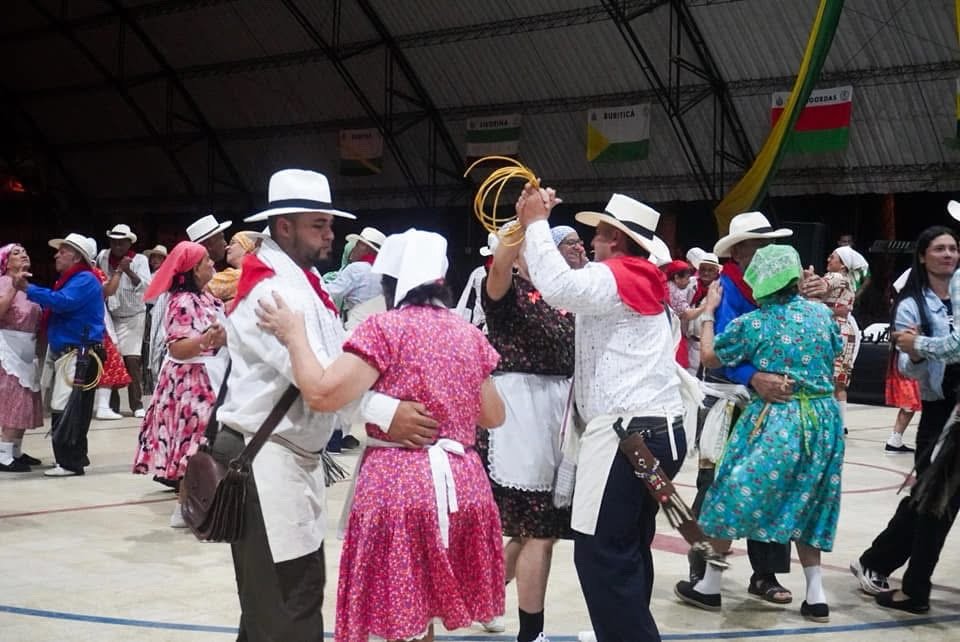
(769, 589)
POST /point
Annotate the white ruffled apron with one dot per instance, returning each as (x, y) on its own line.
(18, 357)
(444, 486)
(525, 450)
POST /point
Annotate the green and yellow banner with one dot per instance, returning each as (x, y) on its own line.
(618, 134)
(747, 194)
(361, 152)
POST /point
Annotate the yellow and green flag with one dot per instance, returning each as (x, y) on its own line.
(617, 134)
(361, 152)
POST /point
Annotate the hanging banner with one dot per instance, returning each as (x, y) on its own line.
(823, 124)
(618, 134)
(493, 136)
(361, 152)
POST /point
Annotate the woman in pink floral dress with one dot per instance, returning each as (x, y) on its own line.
(423, 539)
(173, 427)
(21, 408)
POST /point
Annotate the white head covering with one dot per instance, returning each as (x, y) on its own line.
(901, 280)
(855, 263)
(412, 258)
(492, 242)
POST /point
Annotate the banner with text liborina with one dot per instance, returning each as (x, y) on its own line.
(493, 136)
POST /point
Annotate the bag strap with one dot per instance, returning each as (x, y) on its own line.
(213, 426)
(266, 428)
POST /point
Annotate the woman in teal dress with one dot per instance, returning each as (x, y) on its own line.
(779, 478)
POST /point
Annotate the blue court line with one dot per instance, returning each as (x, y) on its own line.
(708, 635)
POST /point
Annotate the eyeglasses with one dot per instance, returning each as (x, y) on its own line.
(572, 242)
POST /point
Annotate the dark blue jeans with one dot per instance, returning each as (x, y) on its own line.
(615, 564)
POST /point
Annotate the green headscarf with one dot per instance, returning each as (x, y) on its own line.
(344, 260)
(772, 269)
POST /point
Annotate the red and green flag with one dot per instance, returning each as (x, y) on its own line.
(823, 124)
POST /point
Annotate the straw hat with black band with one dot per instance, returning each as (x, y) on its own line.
(746, 226)
(633, 218)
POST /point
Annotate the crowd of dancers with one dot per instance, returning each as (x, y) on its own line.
(494, 430)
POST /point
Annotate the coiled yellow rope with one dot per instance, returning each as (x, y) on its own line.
(495, 182)
(69, 379)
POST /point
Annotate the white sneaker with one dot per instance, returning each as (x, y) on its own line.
(542, 638)
(496, 625)
(57, 471)
(176, 519)
(106, 414)
(586, 636)
(139, 413)
(871, 582)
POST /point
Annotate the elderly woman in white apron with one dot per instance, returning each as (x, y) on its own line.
(192, 371)
(19, 370)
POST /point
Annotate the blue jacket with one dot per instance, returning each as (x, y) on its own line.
(928, 372)
(76, 311)
(732, 305)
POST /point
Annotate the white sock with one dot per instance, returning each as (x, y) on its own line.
(710, 584)
(6, 452)
(815, 594)
(896, 439)
(102, 399)
(17, 447)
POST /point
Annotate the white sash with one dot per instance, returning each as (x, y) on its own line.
(444, 485)
(215, 365)
(18, 357)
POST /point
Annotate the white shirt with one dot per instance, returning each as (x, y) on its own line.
(290, 485)
(127, 301)
(624, 360)
(355, 284)
(474, 282)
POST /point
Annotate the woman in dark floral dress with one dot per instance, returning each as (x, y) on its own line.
(535, 342)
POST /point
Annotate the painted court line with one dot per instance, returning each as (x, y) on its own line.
(706, 635)
(73, 509)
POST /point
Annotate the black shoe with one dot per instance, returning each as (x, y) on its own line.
(28, 460)
(897, 450)
(349, 443)
(909, 605)
(815, 612)
(15, 466)
(685, 591)
(86, 461)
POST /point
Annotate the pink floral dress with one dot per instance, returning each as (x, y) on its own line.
(21, 408)
(395, 573)
(172, 429)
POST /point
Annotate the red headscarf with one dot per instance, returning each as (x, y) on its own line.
(675, 267)
(185, 256)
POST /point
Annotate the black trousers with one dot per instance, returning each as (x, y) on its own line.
(615, 564)
(75, 457)
(279, 602)
(911, 536)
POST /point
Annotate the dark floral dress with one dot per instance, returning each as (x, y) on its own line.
(532, 338)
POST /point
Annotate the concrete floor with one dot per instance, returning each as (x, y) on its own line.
(93, 558)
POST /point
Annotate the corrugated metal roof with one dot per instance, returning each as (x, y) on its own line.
(257, 77)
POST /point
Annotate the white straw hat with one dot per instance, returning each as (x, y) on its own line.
(633, 218)
(122, 231)
(298, 190)
(203, 228)
(749, 225)
(85, 245)
(370, 236)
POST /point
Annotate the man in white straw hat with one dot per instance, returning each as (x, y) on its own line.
(357, 289)
(625, 372)
(279, 558)
(76, 312)
(128, 275)
(155, 256)
(748, 232)
(208, 232)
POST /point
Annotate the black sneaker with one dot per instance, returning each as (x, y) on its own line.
(902, 449)
(28, 460)
(15, 466)
(815, 612)
(349, 442)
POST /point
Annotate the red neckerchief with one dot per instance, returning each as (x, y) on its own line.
(700, 292)
(732, 270)
(488, 264)
(370, 257)
(254, 270)
(77, 268)
(114, 261)
(640, 284)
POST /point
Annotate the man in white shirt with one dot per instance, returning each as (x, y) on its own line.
(208, 232)
(279, 560)
(128, 275)
(624, 369)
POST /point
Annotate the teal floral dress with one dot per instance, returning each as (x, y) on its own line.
(779, 477)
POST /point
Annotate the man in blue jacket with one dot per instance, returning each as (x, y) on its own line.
(73, 315)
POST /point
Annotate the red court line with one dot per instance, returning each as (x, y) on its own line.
(74, 509)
